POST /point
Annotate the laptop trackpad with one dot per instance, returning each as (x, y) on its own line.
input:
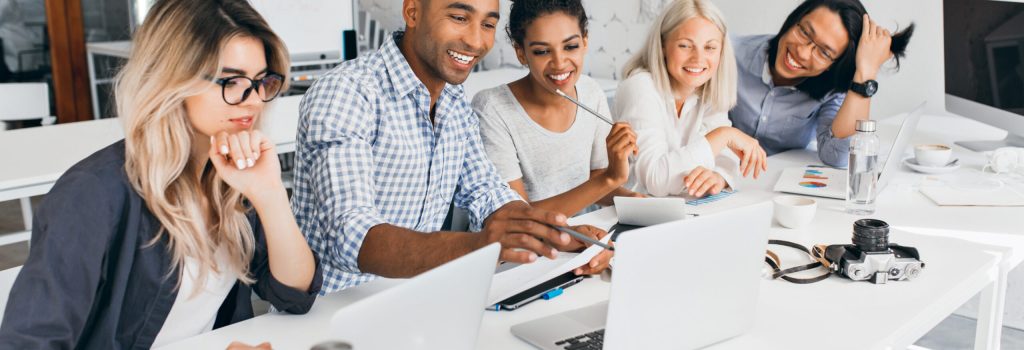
(590, 317)
(544, 332)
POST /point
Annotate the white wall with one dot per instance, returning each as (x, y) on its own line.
(617, 29)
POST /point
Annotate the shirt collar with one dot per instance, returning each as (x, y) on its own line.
(400, 73)
(688, 105)
(760, 62)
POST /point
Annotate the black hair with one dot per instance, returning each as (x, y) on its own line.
(524, 12)
(840, 74)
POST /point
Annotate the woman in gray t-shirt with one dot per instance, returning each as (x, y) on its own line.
(557, 156)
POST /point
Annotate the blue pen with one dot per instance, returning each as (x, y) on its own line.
(551, 294)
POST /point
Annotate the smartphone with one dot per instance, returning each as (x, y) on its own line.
(527, 296)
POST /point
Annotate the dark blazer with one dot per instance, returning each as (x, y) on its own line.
(94, 281)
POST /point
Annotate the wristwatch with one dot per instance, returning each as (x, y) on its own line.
(867, 89)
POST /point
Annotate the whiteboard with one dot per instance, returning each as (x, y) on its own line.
(310, 28)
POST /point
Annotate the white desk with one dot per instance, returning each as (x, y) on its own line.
(835, 313)
(34, 158)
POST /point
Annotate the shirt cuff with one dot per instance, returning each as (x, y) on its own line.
(355, 227)
(484, 206)
(727, 176)
(293, 300)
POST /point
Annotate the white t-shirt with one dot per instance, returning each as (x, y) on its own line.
(194, 313)
(670, 145)
(549, 163)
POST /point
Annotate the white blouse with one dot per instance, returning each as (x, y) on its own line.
(670, 145)
(194, 313)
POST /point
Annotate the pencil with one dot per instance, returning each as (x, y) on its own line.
(598, 115)
(584, 237)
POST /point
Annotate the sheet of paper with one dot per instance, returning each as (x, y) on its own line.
(515, 280)
(947, 196)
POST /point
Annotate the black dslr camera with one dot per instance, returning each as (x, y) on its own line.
(871, 257)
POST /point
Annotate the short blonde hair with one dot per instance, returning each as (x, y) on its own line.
(719, 93)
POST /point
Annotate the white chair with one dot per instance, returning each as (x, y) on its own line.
(21, 102)
(6, 283)
(24, 101)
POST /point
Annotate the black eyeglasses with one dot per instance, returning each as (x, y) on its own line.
(819, 52)
(236, 89)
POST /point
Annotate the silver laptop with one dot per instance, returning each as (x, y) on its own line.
(678, 285)
(439, 309)
(831, 183)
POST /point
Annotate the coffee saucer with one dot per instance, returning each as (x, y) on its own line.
(912, 164)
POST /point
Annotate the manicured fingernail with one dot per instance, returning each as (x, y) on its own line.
(532, 257)
(240, 164)
(212, 141)
(564, 238)
(593, 264)
(554, 252)
(223, 149)
(250, 162)
(560, 218)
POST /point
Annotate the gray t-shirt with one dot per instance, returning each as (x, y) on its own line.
(549, 163)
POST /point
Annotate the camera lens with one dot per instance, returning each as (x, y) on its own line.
(871, 235)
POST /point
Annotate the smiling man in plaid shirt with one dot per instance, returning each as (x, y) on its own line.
(384, 142)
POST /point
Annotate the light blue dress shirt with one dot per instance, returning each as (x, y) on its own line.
(368, 154)
(782, 118)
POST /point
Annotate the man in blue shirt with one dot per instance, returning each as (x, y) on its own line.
(793, 85)
(385, 140)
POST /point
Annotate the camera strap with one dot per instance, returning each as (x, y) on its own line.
(817, 255)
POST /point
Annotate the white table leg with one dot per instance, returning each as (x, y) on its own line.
(26, 212)
(990, 311)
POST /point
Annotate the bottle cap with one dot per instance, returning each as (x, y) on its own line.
(866, 125)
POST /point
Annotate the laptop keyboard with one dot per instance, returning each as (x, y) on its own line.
(590, 341)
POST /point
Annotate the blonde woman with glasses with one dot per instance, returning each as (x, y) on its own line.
(165, 235)
(677, 92)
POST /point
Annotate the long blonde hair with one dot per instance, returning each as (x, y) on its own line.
(719, 93)
(175, 54)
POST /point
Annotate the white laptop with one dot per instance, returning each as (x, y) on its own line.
(439, 309)
(678, 285)
(831, 183)
(649, 211)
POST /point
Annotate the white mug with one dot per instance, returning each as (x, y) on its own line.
(932, 155)
(794, 211)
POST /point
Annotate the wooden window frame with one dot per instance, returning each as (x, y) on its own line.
(67, 53)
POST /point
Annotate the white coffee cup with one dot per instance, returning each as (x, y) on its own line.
(794, 211)
(932, 155)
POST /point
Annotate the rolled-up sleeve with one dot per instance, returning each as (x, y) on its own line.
(481, 191)
(337, 127)
(269, 288)
(833, 151)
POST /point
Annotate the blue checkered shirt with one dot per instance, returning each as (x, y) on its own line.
(369, 154)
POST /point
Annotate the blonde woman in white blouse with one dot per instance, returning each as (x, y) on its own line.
(678, 90)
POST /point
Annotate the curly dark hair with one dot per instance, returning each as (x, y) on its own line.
(524, 12)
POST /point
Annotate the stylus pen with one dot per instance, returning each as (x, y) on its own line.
(598, 115)
(584, 237)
